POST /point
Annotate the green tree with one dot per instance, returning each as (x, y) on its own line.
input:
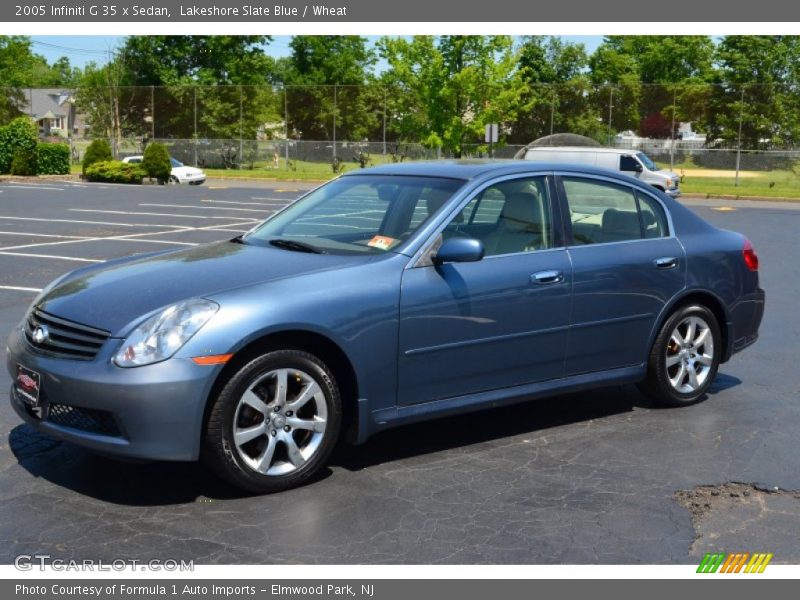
(156, 162)
(553, 101)
(647, 74)
(16, 66)
(764, 71)
(446, 89)
(156, 82)
(329, 83)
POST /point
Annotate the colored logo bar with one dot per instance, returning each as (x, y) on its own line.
(738, 562)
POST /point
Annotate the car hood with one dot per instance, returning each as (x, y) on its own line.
(672, 175)
(117, 295)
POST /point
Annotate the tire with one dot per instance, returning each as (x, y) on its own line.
(173, 180)
(674, 356)
(255, 441)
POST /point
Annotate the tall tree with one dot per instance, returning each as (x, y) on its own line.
(328, 95)
(556, 82)
(648, 75)
(764, 72)
(16, 67)
(221, 84)
(446, 89)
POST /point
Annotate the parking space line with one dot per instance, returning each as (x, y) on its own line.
(269, 199)
(258, 210)
(150, 214)
(271, 205)
(45, 235)
(162, 225)
(26, 186)
(20, 289)
(129, 238)
(27, 255)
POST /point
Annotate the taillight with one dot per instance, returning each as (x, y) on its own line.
(750, 256)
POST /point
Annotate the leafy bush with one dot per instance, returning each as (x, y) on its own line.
(52, 159)
(98, 150)
(156, 162)
(21, 134)
(24, 162)
(115, 171)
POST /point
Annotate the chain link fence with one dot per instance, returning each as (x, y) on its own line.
(736, 132)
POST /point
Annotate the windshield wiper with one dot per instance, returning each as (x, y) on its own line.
(296, 246)
(239, 239)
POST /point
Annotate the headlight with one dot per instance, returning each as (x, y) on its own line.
(162, 335)
(669, 183)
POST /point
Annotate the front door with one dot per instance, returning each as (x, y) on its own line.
(498, 322)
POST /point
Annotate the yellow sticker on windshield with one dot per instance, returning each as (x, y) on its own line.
(382, 242)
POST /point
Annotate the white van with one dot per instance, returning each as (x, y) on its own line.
(634, 163)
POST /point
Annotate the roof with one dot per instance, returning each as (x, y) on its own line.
(40, 101)
(471, 169)
(583, 149)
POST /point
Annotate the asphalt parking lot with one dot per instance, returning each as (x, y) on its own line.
(595, 477)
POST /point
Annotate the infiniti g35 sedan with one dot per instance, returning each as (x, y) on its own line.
(387, 296)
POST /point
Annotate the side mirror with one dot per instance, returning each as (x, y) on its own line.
(459, 250)
(638, 168)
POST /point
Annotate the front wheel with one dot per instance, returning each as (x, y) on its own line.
(685, 357)
(275, 422)
(173, 180)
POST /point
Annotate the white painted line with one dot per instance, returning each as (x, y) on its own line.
(27, 186)
(132, 237)
(45, 235)
(150, 214)
(96, 222)
(245, 203)
(270, 199)
(89, 260)
(95, 239)
(19, 289)
(261, 210)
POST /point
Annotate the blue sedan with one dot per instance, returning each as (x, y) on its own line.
(390, 295)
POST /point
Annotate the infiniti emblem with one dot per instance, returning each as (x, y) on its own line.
(40, 334)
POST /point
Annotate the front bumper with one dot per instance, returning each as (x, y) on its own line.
(193, 179)
(153, 412)
(673, 192)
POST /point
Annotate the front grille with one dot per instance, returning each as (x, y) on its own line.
(65, 339)
(85, 419)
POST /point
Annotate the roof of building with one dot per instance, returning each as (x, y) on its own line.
(40, 101)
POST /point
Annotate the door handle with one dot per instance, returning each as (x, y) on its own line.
(666, 262)
(547, 277)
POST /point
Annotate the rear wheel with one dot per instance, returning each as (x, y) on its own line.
(685, 357)
(275, 423)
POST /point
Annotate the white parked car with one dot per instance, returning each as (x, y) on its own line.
(180, 173)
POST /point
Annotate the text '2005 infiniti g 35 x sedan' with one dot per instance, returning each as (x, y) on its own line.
(389, 295)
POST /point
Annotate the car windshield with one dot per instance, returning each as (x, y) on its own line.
(175, 162)
(647, 161)
(357, 214)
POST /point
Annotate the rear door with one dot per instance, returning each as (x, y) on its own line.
(626, 265)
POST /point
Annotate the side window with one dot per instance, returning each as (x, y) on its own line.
(601, 212)
(628, 164)
(654, 221)
(488, 206)
(509, 217)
